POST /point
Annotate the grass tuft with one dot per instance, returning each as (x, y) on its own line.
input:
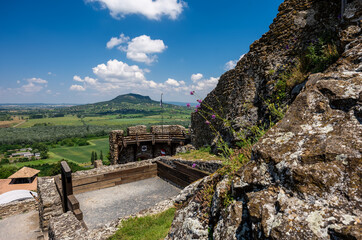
(153, 227)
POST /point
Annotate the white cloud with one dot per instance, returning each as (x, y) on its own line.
(196, 77)
(34, 85)
(31, 88)
(48, 91)
(77, 78)
(18, 82)
(117, 41)
(152, 9)
(172, 82)
(232, 63)
(116, 77)
(77, 88)
(37, 80)
(139, 49)
(118, 71)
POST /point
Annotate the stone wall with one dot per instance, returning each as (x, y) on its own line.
(114, 139)
(17, 207)
(207, 166)
(50, 204)
(111, 168)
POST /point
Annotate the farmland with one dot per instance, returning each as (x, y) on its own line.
(81, 154)
(106, 120)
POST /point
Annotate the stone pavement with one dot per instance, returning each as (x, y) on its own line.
(102, 206)
(23, 226)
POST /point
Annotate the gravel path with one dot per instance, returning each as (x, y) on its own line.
(20, 227)
(102, 206)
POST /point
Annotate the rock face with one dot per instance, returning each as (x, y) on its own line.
(241, 93)
(304, 178)
(308, 167)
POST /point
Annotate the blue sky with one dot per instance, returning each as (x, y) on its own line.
(84, 51)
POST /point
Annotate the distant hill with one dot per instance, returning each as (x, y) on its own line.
(131, 98)
(126, 104)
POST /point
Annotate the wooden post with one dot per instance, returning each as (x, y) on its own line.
(67, 186)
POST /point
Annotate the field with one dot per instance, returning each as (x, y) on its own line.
(80, 155)
(11, 123)
(110, 120)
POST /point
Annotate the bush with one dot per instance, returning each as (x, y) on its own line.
(6, 171)
(47, 169)
(5, 161)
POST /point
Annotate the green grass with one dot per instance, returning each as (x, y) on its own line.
(82, 154)
(201, 154)
(70, 120)
(146, 228)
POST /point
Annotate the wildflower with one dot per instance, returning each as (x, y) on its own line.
(188, 105)
(207, 122)
(198, 106)
(194, 165)
(196, 110)
(287, 47)
(199, 100)
(192, 92)
(213, 116)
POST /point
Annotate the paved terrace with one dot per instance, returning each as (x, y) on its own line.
(102, 206)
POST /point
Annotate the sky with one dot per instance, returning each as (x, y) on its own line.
(86, 51)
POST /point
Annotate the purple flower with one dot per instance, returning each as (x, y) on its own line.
(213, 116)
(287, 47)
(192, 92)
(196, 110)
(207, 122)
(194, 165)
(199, 100)
(197, 106)
(188, 105)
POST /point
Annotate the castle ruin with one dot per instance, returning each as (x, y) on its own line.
(139, 144)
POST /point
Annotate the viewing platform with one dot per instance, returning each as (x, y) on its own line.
(139, 144)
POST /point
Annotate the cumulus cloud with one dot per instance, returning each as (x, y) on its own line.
(232, 63)
(118, 71)
(172, 82)
(76, 87)
(142, 48)
(152, 9)
(196, 77)
(116, 77)
(139, 49)
(114, 41)
(34, 85)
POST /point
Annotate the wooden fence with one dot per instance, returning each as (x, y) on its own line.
(181, 174)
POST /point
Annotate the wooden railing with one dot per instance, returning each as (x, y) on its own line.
(154, 138)
(65, 189)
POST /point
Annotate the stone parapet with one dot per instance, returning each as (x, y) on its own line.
(17, 207)
(50, 204)
(136, 130)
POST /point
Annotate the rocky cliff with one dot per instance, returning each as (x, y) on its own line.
(304, 177)
(261, 76)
